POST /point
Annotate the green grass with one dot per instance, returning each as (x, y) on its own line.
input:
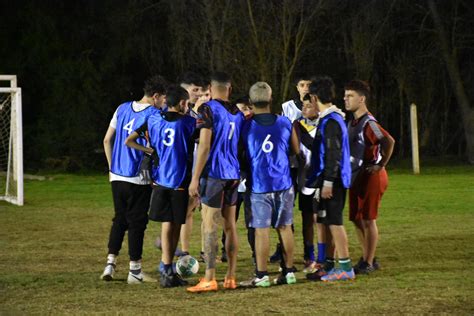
(53, 249)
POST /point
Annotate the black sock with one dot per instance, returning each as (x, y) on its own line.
(261, 274)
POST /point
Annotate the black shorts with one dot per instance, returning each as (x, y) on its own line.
(131, 201)
(329, 211)
(168, 205)
(305, 203)
(217, 192)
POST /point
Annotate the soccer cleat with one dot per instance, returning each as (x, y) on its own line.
(229, 283)
(376, 264)
(108, 274)
(277, 255)
(172, 280)
(289, 278)
(316, 276)
(139, 278)
(338, 275)
(204, 286)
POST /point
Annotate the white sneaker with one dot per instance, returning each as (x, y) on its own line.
(108, 274)
(139, 278)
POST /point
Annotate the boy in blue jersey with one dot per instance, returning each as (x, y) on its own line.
(130, 181)
(331, 175)
(217, 172)
(171, 139)
(267, 139)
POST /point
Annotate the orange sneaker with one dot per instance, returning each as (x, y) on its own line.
(203, 286)
(229, 283)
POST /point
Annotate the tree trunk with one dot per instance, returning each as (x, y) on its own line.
(450, 59)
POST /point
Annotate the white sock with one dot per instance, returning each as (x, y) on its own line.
(135, 267)
(111, 259)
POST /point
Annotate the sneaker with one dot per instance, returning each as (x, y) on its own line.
(139, 278)
(172, 280)
(204, 286)
(230, 284)
(311, 266)
(108, 274)
(376, 264)
(338, 275)
(277, 255)
(256, 282)
(290, 278)
(316, 276)
(365, 268)
(357, 265)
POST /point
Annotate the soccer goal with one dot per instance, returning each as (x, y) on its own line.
(11, 141)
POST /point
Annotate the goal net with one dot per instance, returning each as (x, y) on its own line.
(11, 141)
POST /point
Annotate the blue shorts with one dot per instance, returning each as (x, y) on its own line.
(272, 209)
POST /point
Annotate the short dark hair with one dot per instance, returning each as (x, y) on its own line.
(191, 77)
(155, 84)
(324, 88)
(243, 99)
(221, 77)
(302, 76)
(360, 86)
(176, 94)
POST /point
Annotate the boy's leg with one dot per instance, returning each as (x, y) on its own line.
(371, 239)
(286, 234)
(187, 228)
(262, 247)
(212, 218)
(231, 243)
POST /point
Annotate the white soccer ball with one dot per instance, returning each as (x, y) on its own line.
(187, 266)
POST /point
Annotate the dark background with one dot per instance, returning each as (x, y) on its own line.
(76, 61)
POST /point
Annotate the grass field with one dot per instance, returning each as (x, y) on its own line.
(53, 249)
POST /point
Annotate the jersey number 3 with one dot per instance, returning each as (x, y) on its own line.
(169, 132)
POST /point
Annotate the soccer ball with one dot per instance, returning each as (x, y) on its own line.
(187, 266)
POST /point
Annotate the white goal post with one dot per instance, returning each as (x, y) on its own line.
(11, 142)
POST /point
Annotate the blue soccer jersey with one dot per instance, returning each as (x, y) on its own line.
(222, 162)
(172, 141)
(126, 161)
(268, 149)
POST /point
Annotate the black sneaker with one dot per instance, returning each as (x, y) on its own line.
(172, 280)
(357, 265)
(316, 276)
(277, 255)
(376, 264)
(365, 268)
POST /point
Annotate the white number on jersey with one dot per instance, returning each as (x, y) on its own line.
(232, 128)
(170, 135)
(267, 145)
(129, 127)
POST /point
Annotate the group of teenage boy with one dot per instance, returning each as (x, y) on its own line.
(195, 147)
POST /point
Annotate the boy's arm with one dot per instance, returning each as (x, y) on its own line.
(204, 148)
(131, 142)
(387, 143)
(333, 157)
(108, 139)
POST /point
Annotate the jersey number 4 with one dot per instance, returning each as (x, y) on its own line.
(129, 127)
